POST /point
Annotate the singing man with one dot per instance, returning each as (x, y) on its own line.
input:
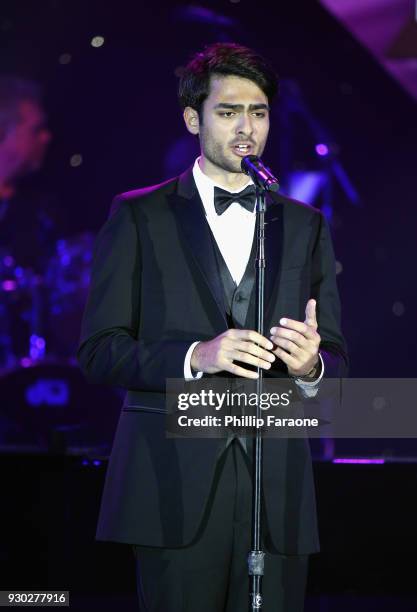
(173, 296)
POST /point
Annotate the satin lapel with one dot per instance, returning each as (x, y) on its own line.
(273, 254)
(274, 238)
(191, 219)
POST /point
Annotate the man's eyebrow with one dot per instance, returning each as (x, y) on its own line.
(240, 107)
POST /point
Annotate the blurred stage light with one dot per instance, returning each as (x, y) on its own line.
(9, 285)
(322, 150)
(37, 347)
(97, 41)
(76, 160)
(398, 309)
(306, 186)
(65, 58)
(358, 460)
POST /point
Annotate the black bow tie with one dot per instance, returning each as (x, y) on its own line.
(223, 199)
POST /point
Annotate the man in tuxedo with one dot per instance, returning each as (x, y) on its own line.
(172, 296)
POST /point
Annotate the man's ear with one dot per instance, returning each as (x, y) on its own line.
(192, 121)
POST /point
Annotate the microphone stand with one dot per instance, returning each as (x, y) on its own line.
(256, 555)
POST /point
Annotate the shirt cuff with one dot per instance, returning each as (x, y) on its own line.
(310, 388)
(188, 374)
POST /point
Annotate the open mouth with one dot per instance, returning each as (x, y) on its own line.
(243, 149)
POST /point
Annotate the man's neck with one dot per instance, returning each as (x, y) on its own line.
(231, 181)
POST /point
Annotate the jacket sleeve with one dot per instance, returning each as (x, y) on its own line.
(324, 291)
(111, 351)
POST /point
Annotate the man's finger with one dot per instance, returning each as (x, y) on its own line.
(298, 326)
(300, 339)
(254, 349)
(289, 360)
(290, 346)
(243, 357)
(311, 318)
(253, 336)
(235, 369)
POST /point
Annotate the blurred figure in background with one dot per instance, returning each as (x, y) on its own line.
(24, 138)
(44, 275)
(28, 230)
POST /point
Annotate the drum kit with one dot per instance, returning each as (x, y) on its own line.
(45, 403)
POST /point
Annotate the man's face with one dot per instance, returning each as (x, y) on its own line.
(27, 141)
(234, 123)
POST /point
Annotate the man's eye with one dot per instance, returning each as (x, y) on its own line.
(227, 114)
(259, 115)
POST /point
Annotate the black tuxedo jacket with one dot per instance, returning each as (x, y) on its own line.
(155, 290)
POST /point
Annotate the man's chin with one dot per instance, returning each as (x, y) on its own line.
(233, 166)
(227, 164)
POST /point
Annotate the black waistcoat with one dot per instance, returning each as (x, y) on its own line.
(237, 297)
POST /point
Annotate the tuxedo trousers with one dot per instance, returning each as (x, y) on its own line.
(210, 574)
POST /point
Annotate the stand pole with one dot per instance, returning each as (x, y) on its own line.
(256, 555)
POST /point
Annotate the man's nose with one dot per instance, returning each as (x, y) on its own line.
(245, 125)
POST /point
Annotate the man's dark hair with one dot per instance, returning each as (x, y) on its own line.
(224, 59)
(13, 91)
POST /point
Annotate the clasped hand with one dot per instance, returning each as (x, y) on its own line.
(294, 342)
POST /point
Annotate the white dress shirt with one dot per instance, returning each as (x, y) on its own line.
(233, 232)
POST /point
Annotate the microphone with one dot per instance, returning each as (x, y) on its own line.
(253, 166)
